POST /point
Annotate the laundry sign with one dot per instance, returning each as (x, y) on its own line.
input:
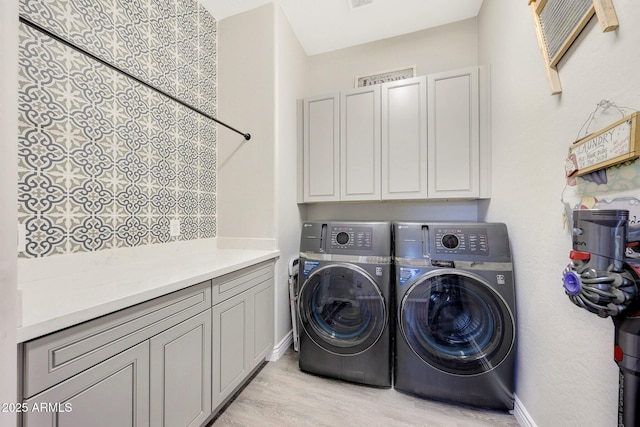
(614, 144)
(386, 76)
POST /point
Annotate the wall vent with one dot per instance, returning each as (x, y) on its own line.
(358, 3)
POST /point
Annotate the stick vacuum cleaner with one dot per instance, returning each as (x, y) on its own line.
(602, 279)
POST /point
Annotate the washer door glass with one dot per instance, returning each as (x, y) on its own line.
(342, 309)
(456, 323)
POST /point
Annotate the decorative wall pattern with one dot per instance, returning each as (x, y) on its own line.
(170, 44)
(105, 161)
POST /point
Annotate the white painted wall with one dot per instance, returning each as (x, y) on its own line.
(291, 82)
(8, 213)
(566, 375)
(437, 49)
(395, 211)
(246, 100)
(262, 71)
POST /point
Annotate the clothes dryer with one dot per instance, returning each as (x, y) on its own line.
(456, 313)
(343, 301)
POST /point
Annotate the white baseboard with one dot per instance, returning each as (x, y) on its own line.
(521, 414)
(281, 347)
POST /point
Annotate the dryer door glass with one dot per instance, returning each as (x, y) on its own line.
(457, 323)
(342, 309)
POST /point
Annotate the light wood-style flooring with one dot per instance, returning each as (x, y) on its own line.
(282, 395)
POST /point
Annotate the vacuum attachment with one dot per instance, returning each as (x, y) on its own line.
(601, 280)
(598, 279)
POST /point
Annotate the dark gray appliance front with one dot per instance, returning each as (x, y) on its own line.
(455, 330)
(343, 301)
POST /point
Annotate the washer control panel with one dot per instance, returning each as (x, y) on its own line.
(351, 237)
(461, 241)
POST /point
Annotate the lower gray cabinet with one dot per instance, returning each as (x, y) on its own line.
(230, 343)
(262, 336)
(56, 357)
(112, 393)
(180, 378)
(168, 362)
(242, 328)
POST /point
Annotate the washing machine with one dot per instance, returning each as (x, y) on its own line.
(344, 294)
(456, 313)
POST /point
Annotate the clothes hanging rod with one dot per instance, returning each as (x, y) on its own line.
(247, 136)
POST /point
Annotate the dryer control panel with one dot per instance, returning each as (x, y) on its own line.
(351, 237)
(443, 242)
(461, 241)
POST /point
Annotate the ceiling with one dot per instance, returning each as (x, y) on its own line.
(326, 25)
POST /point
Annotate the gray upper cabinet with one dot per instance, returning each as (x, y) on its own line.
(360, 144)
(412, 139)
(454, 140)
(404, 139)
(321, 149)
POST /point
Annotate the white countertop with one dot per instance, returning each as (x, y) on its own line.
(63, 290)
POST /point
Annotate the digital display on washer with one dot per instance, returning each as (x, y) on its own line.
(351, 237)
(461, 241)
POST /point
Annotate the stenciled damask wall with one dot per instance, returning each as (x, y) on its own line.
(112, 148)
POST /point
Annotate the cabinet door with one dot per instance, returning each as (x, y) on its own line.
(360, 144)
(454, 144)
(404, 139)
(261, 323)
(321, 149)
(231, 344)
(112, 393)
(54, 358)
(181, 373)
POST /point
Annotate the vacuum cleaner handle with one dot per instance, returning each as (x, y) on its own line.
(629, 399)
